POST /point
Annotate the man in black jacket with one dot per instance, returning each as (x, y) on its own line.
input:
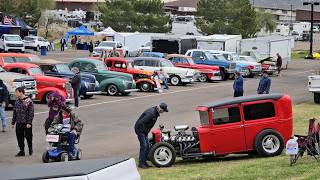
(76, 84)
(143, 126)
(23, 114)
(3, 100)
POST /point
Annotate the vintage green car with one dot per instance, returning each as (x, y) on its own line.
(110, 82)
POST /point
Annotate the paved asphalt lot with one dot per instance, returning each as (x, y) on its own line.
(109, 121)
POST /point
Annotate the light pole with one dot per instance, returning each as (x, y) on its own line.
(311, 30)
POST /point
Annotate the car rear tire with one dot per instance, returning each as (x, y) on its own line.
(316, 98)
(162, 154)
(203, 78)
(269, 143)
(112, 90)
(45, 157)
(145, 87)
(175, 80)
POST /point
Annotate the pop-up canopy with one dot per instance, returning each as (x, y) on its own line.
(107, 32)
(80, 31)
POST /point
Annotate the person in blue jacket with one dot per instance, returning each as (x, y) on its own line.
(238, 85)
(264, 84)
(3, 100)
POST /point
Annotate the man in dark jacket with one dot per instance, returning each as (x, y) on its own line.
(264, 84)
(279, 63)
(90, 49)
(143, 126)
(23, 113)
(4, 94)
(238, 85)
(76, 84)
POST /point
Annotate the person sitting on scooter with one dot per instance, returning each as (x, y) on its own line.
(55, 102)
(69, 119)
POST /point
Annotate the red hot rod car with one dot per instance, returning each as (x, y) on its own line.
(260, 123)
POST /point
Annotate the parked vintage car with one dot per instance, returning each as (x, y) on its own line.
(15, 80)
(108, 46)
(254, 67)
(227, 68)
(268, 64)
(177, 75)
(6, 58)
(153, 54)
(207, 73)
(89, 84)
(112, 83)
(46, 85)
(143, 78)
(259, 123)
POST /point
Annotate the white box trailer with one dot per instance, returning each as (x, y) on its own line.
(219, 42)
(269, 46)
(134, 41)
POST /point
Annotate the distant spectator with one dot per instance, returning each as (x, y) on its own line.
(279, 63)
(264, 84)
(76, 83)
(4, 95)
(164, 77)
(238, 85)
(90, 48)
(62, 43)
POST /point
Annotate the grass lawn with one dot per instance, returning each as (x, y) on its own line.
(295, 55)
(244, 166)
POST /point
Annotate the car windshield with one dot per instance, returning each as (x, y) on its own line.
(247, 58)
(35, 71)
(12, 38)
(22, 59)
(217, 56)
(63, 68)
(100, 65)
(107, 44)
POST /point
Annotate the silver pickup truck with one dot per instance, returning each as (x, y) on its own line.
(14, 80)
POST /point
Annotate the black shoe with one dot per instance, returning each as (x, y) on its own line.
(143, 166)
(20, 153)
(148, 165)
(30, 152)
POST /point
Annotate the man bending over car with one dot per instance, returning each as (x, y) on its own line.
(72, 124)
(143, 126)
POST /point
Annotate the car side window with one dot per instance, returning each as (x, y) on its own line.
(77, 64)
(88, 67)
(8, 59)
(226, 115)
(138, 62)
(49, 68)
(150, 63)
(183, 61)
(15, 70)
(259, 111)
(189, 54)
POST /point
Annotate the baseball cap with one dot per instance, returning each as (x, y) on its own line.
(164, 107)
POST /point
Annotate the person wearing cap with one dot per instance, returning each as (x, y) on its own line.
(71, 120)
(4, 95)
(264, 84)
(143, 126)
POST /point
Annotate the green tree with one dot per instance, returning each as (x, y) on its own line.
(226, 17)
(266, 21)
(135, 15)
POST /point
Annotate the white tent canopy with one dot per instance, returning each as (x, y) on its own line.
(107, 32)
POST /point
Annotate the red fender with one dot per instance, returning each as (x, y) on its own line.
(145, 80)
(43, 91)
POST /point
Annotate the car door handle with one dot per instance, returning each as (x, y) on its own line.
(242, 126)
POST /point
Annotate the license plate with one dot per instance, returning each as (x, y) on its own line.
(52, 138)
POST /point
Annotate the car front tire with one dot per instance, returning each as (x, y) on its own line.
(175, 80)
(203, 77)
(145, 87)
(112, 90)
(162, 154)
(269, 143)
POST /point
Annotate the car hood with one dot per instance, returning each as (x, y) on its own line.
(10, 76)
(115, 74)
(242, 63)
(14, 42)
(53, 80)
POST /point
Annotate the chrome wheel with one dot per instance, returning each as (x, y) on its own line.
(174, 80)
(112, 90)
(163, 155)
(145, 87)
(270, 144)
(203, 78)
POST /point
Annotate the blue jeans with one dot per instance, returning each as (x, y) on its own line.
(71, 141)
(76, 97)
(3, 117)
(165, 82)
(144, 148)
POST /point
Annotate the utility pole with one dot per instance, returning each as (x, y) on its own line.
(310, 56)
(291, 22)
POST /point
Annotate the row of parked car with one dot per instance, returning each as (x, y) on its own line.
(119, 75)
(13, 42)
